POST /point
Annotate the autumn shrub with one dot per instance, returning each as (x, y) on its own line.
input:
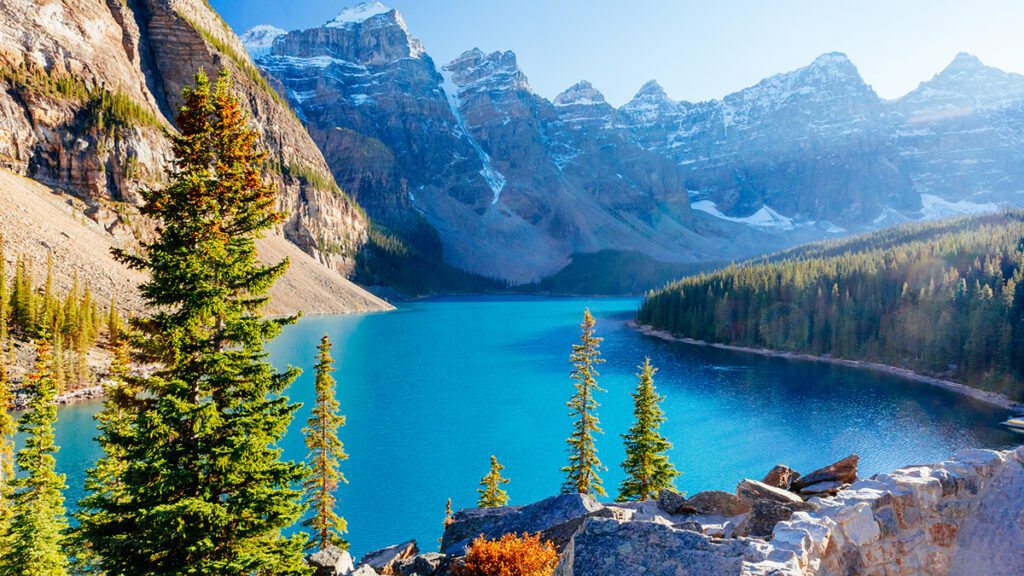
(510, 555)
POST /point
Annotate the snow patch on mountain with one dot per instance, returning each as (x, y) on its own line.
(357, 14)
(934, 208)
(259, 39)
(495, 179)
(763, 218)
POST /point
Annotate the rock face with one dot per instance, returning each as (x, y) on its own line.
(138, 55)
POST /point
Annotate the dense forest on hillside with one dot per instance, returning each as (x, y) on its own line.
(944, 298)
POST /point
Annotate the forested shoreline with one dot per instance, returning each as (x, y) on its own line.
(940, 298)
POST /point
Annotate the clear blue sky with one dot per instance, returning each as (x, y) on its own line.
(696, 50)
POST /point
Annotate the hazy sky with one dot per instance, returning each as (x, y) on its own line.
(696, 50)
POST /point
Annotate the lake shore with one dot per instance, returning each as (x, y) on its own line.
(990, 398)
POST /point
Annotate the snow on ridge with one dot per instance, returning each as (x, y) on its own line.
(495, 179)
(934, 207)
(763, 218)
(259, 39)
(357, 14)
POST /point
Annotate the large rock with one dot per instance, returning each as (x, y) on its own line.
(605, 547)
(822, 489)
(762, 519)
(423, 565)
(495, 522)
(752, 491)
(718, 503)
(331, 561)
(781, 476)
(844, 471)
(385, 559)
(671, 502)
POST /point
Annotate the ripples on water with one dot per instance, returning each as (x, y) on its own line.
(432, 390)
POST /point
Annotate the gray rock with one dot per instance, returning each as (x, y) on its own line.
(822, 489)
(606, 547)
(844, 471)
(761, 520)
(781, 476)
(671, 502)
(331, 561)
(385, 559)
(496, 522)
(689, 525)
(718, 503)
(423, 565)
(752, 491)
(364, 571)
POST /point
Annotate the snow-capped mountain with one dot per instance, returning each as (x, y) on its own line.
(513, 184)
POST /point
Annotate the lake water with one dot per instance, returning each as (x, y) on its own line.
(432, 390)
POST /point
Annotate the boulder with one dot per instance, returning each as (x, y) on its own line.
(496, 522)
(331, 561)
(844, 471)
(560, 534)
(781, 476)
(752, 491)
(717, 502)
(423, 565)
(605, 547)
(822, 489)
(671, 502)
(383, 561)
(364, 571)
(761, 520)
(691, 526)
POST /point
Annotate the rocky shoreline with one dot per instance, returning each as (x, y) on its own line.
(990, 398)
(947, 519)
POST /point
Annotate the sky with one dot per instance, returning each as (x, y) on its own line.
(695, 50)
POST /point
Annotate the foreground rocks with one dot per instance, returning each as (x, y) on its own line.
(962, 517)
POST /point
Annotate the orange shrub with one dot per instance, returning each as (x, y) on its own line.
(510, 556)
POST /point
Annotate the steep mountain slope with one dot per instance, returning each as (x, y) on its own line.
(86, 86)
(512, 184)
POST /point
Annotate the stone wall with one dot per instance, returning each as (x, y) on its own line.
(962, 517)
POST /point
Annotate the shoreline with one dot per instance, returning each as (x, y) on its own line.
(986, 397)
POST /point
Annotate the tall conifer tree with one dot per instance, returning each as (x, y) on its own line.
(325, 452)
(36, 538)
(491, 493)
(205, 491)
(581, 473)
(647, 468)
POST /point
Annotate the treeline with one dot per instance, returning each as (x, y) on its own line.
(944, 298)
(72, 323)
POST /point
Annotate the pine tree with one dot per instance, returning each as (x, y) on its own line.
(7, 430)
(205, 491)
(36, 536)
(583, 462)
(491, 494)
(648, 470)
(447, 522)
(325, 451)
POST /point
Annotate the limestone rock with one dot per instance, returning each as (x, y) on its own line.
(331, 561)
(670, 501)
(605, 547)
(385, 559)
(495, 522)
(752, 491)
(780, 476)
(761, 520)
(718, 503)
(844, 471)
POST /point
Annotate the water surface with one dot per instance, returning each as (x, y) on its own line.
(432, 390)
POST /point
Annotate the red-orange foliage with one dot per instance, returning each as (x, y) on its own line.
(510, 555)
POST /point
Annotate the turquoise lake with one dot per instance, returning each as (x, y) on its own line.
(432, 390)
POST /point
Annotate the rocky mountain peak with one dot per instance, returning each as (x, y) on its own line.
(259, 39)
(495, 71)
(651, 90)
(581, 92)
(966, 85)
(358, 14)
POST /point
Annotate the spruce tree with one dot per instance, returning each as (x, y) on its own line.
(648, 470)
(205, 491)
(491, 494)
(36, 537)
(325, 452)
(581, 473)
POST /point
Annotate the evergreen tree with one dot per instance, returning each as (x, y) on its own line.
(491, 494)
(325, 451)
(7, 430)
(204, 491)
(447, 522)
(36, 537)
(581, 473)
(648, 470)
